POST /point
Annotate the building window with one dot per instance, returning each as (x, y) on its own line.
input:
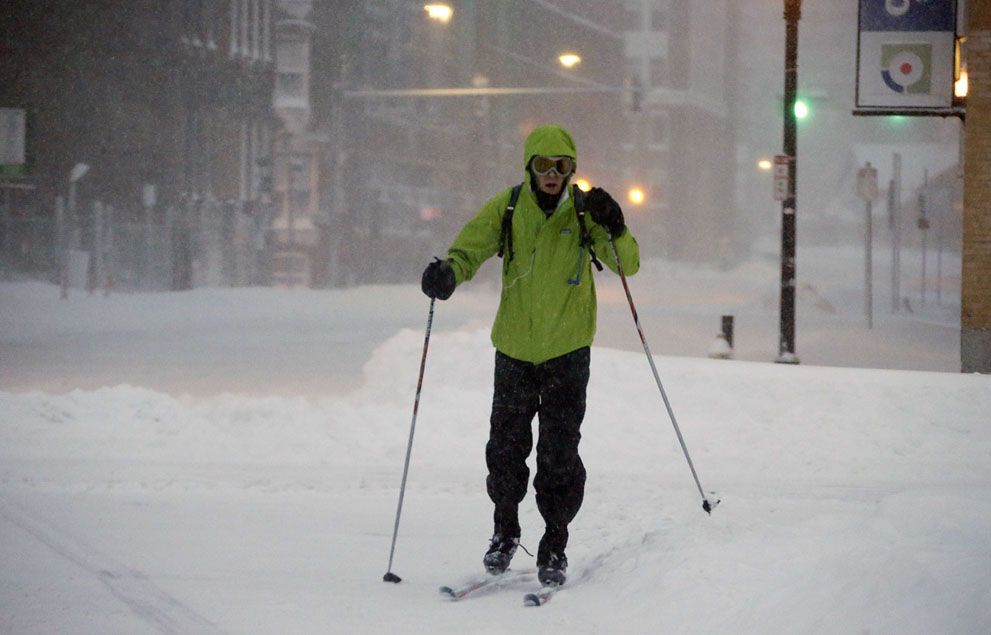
(289, 86)
(234, 28)
(192, 22)
(256, 21)
(209, 15)
(245, 19)
(659, 19)
(658, 72)
(251, 29)
(267, 30)
(659, 132)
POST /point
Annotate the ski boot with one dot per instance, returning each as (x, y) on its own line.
(500, 553)
(551, 561)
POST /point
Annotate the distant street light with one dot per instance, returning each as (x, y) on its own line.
(78, 171)
(583, 185)
(636, 196)
(569, 60)
(764, 165)
(439, 12)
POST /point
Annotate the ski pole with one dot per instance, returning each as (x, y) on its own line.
(390, 576)
(706, 505)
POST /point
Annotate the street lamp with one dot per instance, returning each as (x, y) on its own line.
(439, 12)
(569, 60)
(764, 165)
(636, 195)
(78, 171)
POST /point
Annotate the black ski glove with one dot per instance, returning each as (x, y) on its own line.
(605, 211)
(438, 280)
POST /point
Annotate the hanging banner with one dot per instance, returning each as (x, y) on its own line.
(905, 54)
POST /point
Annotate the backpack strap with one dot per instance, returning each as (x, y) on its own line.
(506, 239)
(585, 238)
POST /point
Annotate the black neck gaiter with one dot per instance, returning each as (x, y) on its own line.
(547, 202)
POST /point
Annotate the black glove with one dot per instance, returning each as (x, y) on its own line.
(605, 211)
(438, 280)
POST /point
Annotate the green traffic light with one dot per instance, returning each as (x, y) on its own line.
(801, 109)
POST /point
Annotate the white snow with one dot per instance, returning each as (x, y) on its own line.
(229, 461)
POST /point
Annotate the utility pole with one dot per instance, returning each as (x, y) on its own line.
(786, 341)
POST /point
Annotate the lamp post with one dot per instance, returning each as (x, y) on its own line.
(78, 171)
(786, 340)
(67, 236)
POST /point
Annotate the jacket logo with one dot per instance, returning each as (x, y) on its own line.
(566, 230)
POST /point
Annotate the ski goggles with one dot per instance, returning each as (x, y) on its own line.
(543, 165)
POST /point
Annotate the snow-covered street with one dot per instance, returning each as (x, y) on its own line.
(229, 461)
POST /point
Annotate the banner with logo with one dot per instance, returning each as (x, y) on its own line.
(905, 54)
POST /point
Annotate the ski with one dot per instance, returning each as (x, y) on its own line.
(473, 586)
(541, 597)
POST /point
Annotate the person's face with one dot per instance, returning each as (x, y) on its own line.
(552, 172)
(550, 183)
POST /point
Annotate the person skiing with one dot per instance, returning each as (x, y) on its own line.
(542, 334)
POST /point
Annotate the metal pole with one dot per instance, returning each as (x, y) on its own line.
(895, 221)
(72, 222)
(96, 260)
(939, 255)
(8, 230)
(110, 264)
(924, 226)
(389, 575)
(706, 504)
(60, 248)
(869, 268)
(786, 341)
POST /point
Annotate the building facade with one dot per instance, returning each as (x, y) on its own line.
(404, 171)
(165, 102)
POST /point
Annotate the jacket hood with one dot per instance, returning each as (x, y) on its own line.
(549, 141)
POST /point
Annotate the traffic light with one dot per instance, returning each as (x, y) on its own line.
(801, 109)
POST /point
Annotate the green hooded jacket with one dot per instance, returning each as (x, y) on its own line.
(548, 295)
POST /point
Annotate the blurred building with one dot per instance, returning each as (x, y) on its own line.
(299, 228)
(404, 172)
(166, 102)
(177, 95)
(682, 67)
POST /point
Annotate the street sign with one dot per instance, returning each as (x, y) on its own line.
(905, 54)
(13, 127)
(867, 182)
(780, 177)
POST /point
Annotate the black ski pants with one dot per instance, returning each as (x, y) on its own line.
(556, 390)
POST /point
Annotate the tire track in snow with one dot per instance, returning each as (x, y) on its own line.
(150, 603)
